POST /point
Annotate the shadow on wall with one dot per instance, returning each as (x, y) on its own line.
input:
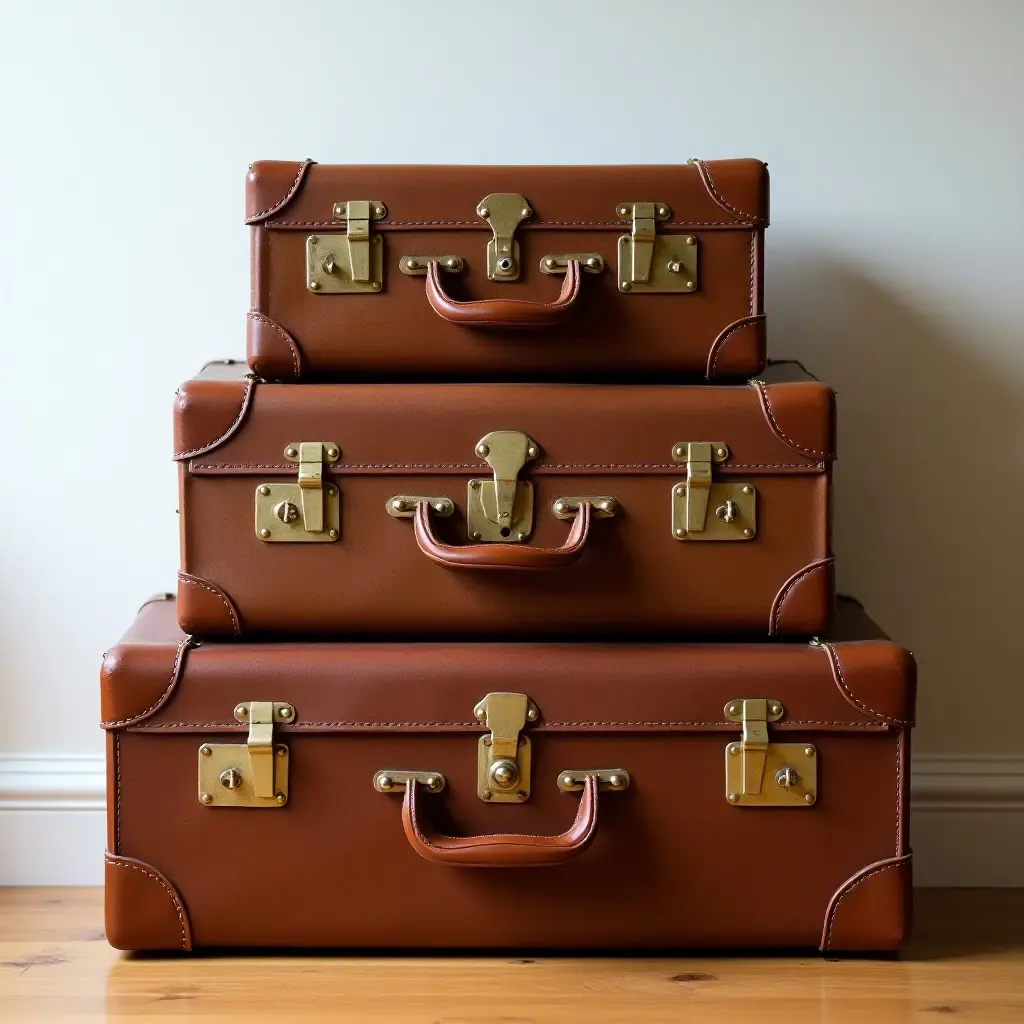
(928, 493)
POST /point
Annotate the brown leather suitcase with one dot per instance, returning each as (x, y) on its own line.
(491, 272)
(504, 510)
(332, 794)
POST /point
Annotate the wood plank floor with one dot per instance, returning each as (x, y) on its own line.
(965, 963)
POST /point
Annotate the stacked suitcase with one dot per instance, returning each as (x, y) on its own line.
(510, 524)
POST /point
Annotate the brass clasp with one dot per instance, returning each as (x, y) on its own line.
(504, 212)
(734, 504)
(503, 755)
(354, 261)
(307, 510)
(501, 508)
(652, 262)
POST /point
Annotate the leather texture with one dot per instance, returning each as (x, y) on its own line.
(471, 328)
(675, 851)
(386, 577)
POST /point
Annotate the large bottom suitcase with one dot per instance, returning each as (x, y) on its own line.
(348, 795)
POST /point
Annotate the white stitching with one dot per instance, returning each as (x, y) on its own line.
(175, 902)
(753, 264)
(479, 225)
(291, 189)
(254, 314)
(234, 423)
(835, 906)
(709, 184)
(899, 789)
(773, 625)
(306, 725)
(227, 604)
(174, 675)
(763, 391)
(117, 792)
(749, 321)
(838, 669)
(349, 466)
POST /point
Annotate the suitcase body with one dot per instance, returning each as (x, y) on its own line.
(497, 272)
(505, 511)
(446, 795)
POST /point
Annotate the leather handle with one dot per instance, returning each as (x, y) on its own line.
(504, 312)
(501, 851)
(501, 556)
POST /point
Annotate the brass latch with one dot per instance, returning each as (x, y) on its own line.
(503, 755)
(649, 262)
(504, 212)
(759, 772)
(734, 504)
(354, 261)
(250, 774)
(501, 508)
(307, 510)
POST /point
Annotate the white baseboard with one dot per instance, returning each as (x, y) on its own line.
(967, 825)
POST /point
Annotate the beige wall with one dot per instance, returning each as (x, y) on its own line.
(894, 135)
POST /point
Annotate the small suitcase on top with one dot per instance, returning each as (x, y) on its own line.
(493, 273)
(504, 510)
(332, 794)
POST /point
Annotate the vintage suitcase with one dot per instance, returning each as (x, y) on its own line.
(332, 794)
(400, 510)
(491, 272)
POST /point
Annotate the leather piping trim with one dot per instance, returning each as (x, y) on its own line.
(775, 612)
(179, 662)
(196, 581)
(837, 675)
(766, 407)
(293, 347)
(848, 886)
(286, 198)
(156, 597)
(533, 225)
(235, 424)
(709, 183)
(755, 319)
(131, 864)
(671, 468)
(710, 726)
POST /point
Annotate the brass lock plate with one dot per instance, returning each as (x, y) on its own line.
(352, 262)
(650, 262)
(500, 509)
(279, 515)
(790, 776)
(480, 501)
(503, 755)
(504, 212)
(226, 778)
(731, 513)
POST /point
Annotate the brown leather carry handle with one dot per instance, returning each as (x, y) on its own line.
(501, 556)
(504, 312)
(501, 851)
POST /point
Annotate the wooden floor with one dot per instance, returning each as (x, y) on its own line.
(966, 963)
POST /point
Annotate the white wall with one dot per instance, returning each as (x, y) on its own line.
(893, 130)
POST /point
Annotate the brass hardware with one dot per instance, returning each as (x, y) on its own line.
(652, 262)
(393, 780)
(250, 774)
(762, 773)
(734, 504)
(503, 756)
(504, 212)
(305, 511)
(354, 261)
(558, 262)
(416, 266)
(615, 779)
(403, 506)
(604, 506)
(501, 509)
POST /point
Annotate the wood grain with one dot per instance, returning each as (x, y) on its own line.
(966, 963)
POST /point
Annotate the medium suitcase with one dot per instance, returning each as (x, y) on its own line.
(332, 794)
(491, 272)
(504, 510)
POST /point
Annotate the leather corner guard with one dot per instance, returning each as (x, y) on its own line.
(142, 910)
(806, 427)
(723, 190)
(270, 185)
(273, 353)
(871, 910)
(136, 680)
(204, 609)
(738, 346)
(864, 671)
(804, 603)
(207, 413)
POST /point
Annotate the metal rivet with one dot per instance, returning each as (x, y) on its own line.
(623, 211)
(747, 489)
(486, 794)
(332, 490)
(680, 532)
(679, 451)
(532, 451)
(482, 450)
(733, 797)
(531, 714)
(504, 774)
(313, 239)
(679, 489)
(691, 240)
(411, 264)
(279, 798)
(286, 712)
(332, 453)
(734, 749)
(380, 211)
(721, 452)
(616, 781)
(291, 453)
(230, 779)
(604, 506)
(264, 489)
(475, 535)
(689, 284)
(205, 750)
(339, 209)
(809, 798)
(487, 741)
(241, 711)
(560, 507)
(280, 751)
(527, 211)
(776, 709)
(568, 780)
(733, 709)
(398, 505)
(332, 534)
(439, 506)
(474, 484)
(662, 211)
(205, 798)
(809, 751)
(384, 782)
(433, 782)
(626, 286)
(314, 286)
(594, 262)
(520, 536)
(376, 286)
(674, 266)
(747, 532)
(480, 714)
(484, 212)
(522, 794)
